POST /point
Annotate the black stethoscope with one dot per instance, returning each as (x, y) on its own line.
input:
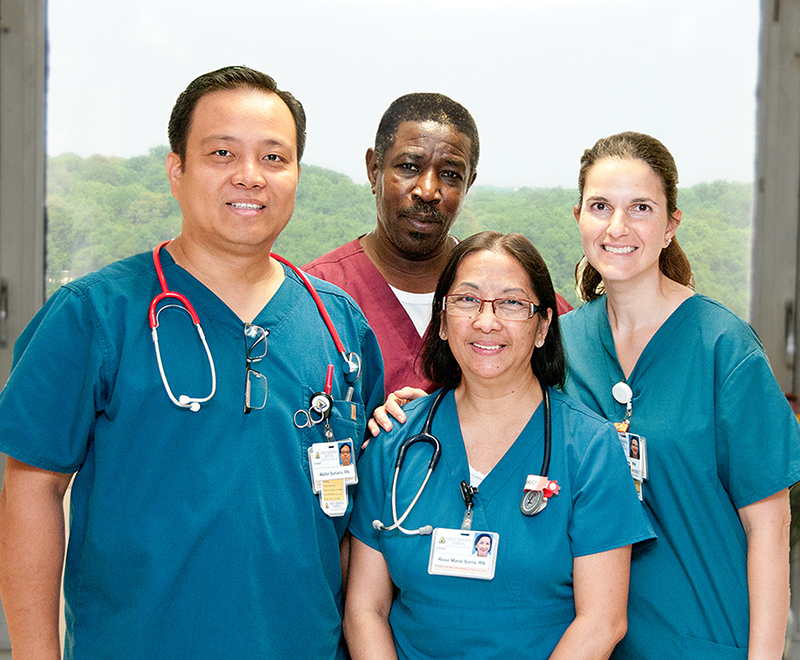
(352, 362)
(533, 501)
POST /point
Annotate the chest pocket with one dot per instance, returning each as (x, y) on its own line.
(347, 421)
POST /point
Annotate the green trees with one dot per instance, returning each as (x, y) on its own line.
(102, 209)
(544, 215)
(330, 210)
(715, 233)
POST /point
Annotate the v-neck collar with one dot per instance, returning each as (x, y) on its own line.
(277, 310)
(517, 460)
(658, 343)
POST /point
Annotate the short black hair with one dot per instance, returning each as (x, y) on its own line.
(229, 77)
(437, 362)
(426, 106)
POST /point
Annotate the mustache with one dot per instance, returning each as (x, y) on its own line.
(422, 208)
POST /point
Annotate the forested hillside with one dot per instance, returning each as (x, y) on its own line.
(101, 209)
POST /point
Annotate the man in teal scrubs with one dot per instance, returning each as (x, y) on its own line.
(196, 530)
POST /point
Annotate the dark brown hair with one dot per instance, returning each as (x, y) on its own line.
(437, 362)
(635, 146)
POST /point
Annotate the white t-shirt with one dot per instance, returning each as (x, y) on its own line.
(417, 306)
(475, 477)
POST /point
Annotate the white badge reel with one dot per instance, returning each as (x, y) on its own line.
(634, 446)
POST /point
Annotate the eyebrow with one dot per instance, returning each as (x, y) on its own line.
(410, 155)
(637, 200)
(452, 161)
(272, 142)
(476, 287)
(217, 138)
(456, 162)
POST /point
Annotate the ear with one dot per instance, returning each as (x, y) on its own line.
(544, 327)
(576, 211)
(674, 222)
(472, 179)
(372, 168)
(174, 172)
(443, 324)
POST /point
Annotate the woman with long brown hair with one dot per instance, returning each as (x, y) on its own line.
(691, 380)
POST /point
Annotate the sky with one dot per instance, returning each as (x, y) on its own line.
(544, 79)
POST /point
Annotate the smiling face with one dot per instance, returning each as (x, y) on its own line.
(483, 546)
(624, 221)
(236, 186)
(420, 186)
(487, 348)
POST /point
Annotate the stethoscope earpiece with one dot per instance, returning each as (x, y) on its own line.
(186, 401)
(427, 530)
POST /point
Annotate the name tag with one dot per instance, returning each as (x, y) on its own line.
(635, 448)
(332, 471)
(463, 553)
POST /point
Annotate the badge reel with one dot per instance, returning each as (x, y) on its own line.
(332, 462)
(623, 394)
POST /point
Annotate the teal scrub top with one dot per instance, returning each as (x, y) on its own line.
(720, 435)
(193, 534)
(524, 610)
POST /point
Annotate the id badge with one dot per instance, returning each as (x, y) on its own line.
(332, 471)
(463, 553)
(635, 448)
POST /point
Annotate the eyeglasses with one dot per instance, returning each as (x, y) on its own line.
(255, 391)
(508, 309)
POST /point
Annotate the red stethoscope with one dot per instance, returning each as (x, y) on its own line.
(352, 362)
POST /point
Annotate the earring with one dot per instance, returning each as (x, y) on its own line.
(443, 334)
(669, 240)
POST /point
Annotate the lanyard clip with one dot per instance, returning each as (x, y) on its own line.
(467, 492)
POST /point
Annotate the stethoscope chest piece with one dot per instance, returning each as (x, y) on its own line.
(538, 490)
(532, 502)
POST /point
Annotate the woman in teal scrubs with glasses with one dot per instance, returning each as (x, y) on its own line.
(474, 566)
